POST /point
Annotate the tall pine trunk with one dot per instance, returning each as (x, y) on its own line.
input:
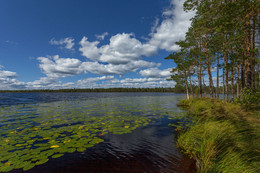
(200, 71)
(192, 93)
(232, 74)
(223, 81)
(238, 82)
(253, 52)
(226, 68)
(243, 73)
(226, 78)
(199, 79)
(209, 68)
(217, 90)
(186, 86)
(223, 74)
(232, 80)
(204, 87)
(258, 77)
(248, 60)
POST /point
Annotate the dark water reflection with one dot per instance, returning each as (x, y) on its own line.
(149, 149)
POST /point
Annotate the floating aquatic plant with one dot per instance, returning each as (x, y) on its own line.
(33, 134)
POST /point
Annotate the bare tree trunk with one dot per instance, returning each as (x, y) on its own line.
(223, 81)
(226, 68)
(217, 90)
(248, 74)
(186, 85)
(209, 69)
(223, 74)
(253, 52)
(248, 60)
(213, 87)
(200, 71)
(253, 74)
(238, 93)
(232, 75)
(205, 91)
(243, 73)
(199, 80)
(210, 80)
(201, 86)
(258, 77)
(226, 78)
(190, 83)
(198, 77)
(232, 80)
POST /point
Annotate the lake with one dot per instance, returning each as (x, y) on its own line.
(90, 132)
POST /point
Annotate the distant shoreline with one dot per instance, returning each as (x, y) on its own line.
(97, 90)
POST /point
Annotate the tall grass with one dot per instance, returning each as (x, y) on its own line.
(222, 139)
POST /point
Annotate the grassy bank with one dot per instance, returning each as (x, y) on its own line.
(223, 137)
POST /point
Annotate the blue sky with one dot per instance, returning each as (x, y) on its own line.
(52, 44)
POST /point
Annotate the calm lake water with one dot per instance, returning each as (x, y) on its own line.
(90, 132)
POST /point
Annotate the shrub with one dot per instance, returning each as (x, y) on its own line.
(248, 98)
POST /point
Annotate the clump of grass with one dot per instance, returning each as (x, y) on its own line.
(184, 102)
(221, 140)
(206, 142)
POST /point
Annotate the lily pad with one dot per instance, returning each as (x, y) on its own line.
(41, 161)
(29, 166)
(57, 155)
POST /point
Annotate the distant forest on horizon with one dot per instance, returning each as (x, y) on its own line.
(179, 89)
(176, 89)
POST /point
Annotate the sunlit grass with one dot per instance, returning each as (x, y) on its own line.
(223, 138)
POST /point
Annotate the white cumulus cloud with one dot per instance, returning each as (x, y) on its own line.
(98, 68)
(43, 82)
(89, 49)
(101, 36)
(7, 74)
(173, 28)
(89, 82)
(156, 73)
(8, 81)
(56, 67)
(142, 82)
(68, 43)
(122, 49)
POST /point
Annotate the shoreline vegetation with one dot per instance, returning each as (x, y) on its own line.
(221, 136)
(220, 57)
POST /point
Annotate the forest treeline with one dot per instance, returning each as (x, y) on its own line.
(176, 89)
(220, 49)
